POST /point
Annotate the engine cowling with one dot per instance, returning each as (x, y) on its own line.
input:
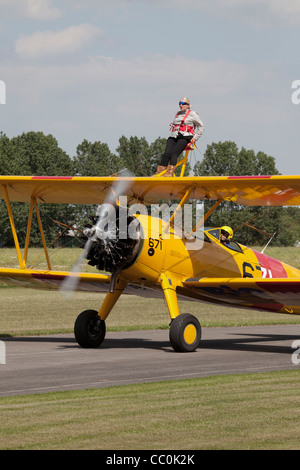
(113, 248)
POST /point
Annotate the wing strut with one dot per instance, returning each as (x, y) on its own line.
(33, 204)
(179, 208)
(13, 227)
(208, 213)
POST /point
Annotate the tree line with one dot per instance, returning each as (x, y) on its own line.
(34, 153)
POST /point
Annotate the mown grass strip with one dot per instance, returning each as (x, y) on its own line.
(253, 411)
(29, 312)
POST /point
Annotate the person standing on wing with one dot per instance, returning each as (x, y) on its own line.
(186, 128)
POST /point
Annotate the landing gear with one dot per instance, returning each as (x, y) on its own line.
(185, 333)
(89, 329)
(185, 329)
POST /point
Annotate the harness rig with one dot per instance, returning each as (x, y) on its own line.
(181, 127)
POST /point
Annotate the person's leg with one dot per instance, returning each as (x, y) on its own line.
(177, 149)
(171, 143)
(174, 147)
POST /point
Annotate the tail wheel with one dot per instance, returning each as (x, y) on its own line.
(185, 333)
(89, 329)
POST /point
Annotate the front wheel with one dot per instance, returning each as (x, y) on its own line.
(185, 333)
(89, 329)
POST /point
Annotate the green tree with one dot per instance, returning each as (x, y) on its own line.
(157, 149)
(219, 160)
(33, 153)
(135, 155)
(224, 158)
(7, 163)
(95, 159)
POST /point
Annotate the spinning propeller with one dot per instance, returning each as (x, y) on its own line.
(108, 247)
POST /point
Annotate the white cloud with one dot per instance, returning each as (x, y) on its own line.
(50, 43)
(155, 76)
(42, 10)
(219, 76)
(127, 86)
(262, 12)
(35, 9)
(289, 9)
(256, 12)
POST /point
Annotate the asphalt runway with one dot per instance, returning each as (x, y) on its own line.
(56, 363)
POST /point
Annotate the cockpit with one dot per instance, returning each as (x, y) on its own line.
(216, 233)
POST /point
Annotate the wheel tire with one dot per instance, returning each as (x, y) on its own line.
(185, 333)
(89, 329)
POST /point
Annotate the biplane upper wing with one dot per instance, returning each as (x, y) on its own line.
(276, 295)
(244, 190)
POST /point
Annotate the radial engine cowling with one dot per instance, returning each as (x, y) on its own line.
(116, 239)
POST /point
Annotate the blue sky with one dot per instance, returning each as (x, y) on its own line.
(98, 70)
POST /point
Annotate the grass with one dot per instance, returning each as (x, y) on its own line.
(255, 411)
(26, 312)
(61, 258)
(251, 411)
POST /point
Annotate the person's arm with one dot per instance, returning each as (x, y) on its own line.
(199, 127)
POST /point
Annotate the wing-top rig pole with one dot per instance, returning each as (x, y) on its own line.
(182, 162)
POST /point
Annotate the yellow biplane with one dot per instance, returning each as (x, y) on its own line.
(159, 259)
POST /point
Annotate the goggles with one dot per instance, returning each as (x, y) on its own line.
(223, 232)
(181, 103)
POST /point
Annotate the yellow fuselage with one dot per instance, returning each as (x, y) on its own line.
(165, 250)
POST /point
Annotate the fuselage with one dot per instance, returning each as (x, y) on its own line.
(164, 248)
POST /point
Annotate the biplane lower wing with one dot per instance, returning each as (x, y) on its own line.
(52, 280)
(273, 295)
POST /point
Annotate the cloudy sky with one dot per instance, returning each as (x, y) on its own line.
(97, 70)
